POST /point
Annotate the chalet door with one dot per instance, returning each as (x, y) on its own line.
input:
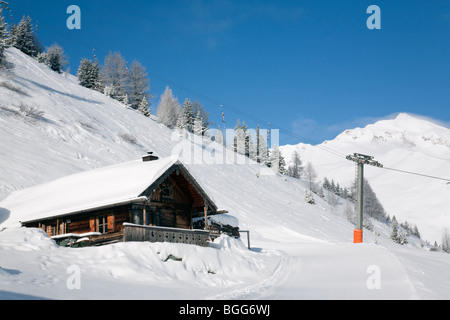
(164, 217)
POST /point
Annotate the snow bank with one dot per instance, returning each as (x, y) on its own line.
(150, 270)
(224, 219)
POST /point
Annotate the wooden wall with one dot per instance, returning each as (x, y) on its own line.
(85, 222)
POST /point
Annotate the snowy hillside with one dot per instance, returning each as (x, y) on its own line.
(408, 143)
(51, 127)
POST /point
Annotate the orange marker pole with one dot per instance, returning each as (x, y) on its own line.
(357, 236)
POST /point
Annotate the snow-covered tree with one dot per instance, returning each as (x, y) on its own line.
(310, 176)
(3, 39)
(332, 200)
(219, 137)
(138, 85)
(349, 211)
(295, 170)
(309, 197)
(239, 138)
(55, 58)
(415, 232)
(200, 128)
(326, 184)
(242, 142)
(397, 235)
(204, 115)
(186, 117)
(126, 101)
(168, 109)
(143, 107)
(261, 147)
(276, 161)
(445, 241)
(372, 206)
(114, 76)
(394, 231)
(89, 74)
(22, 37)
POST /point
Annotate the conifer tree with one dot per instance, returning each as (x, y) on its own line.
(310, 176)
(394, 231)
(309, 198)
(138, 85)
(326, 184)
(219, 137)
(3, 39)
(261, 147)
(372, 206)
(416, 232)
(168, 109)
(187, 116)
(397, 235)
(55, 58)
(445, 241)
(295, 170)
(89, 73)
(199, 125)
(143, 107)
(22, 37)
(276, 161)
(242, 143)
(201, 115)
(114, 76)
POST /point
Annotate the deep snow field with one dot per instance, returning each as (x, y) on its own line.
(298, 250)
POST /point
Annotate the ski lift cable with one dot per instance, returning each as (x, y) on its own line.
(418, 174)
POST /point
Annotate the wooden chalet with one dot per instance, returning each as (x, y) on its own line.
(151, 199)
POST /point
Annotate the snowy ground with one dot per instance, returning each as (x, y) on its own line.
(33, 267)
(299, 251)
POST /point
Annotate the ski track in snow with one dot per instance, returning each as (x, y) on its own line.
(257, 290)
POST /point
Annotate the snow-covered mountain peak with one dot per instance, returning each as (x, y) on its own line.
(405, 130)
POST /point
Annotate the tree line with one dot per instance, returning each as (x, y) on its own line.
(128, 84)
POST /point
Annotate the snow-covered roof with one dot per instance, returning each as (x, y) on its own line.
(113, 185)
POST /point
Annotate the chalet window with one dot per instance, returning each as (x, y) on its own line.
(102, 224)
(166, 190)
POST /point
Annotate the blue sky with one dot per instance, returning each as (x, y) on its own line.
(312, 67)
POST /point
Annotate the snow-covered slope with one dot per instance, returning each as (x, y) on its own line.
(298, 250)
(407, 142)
